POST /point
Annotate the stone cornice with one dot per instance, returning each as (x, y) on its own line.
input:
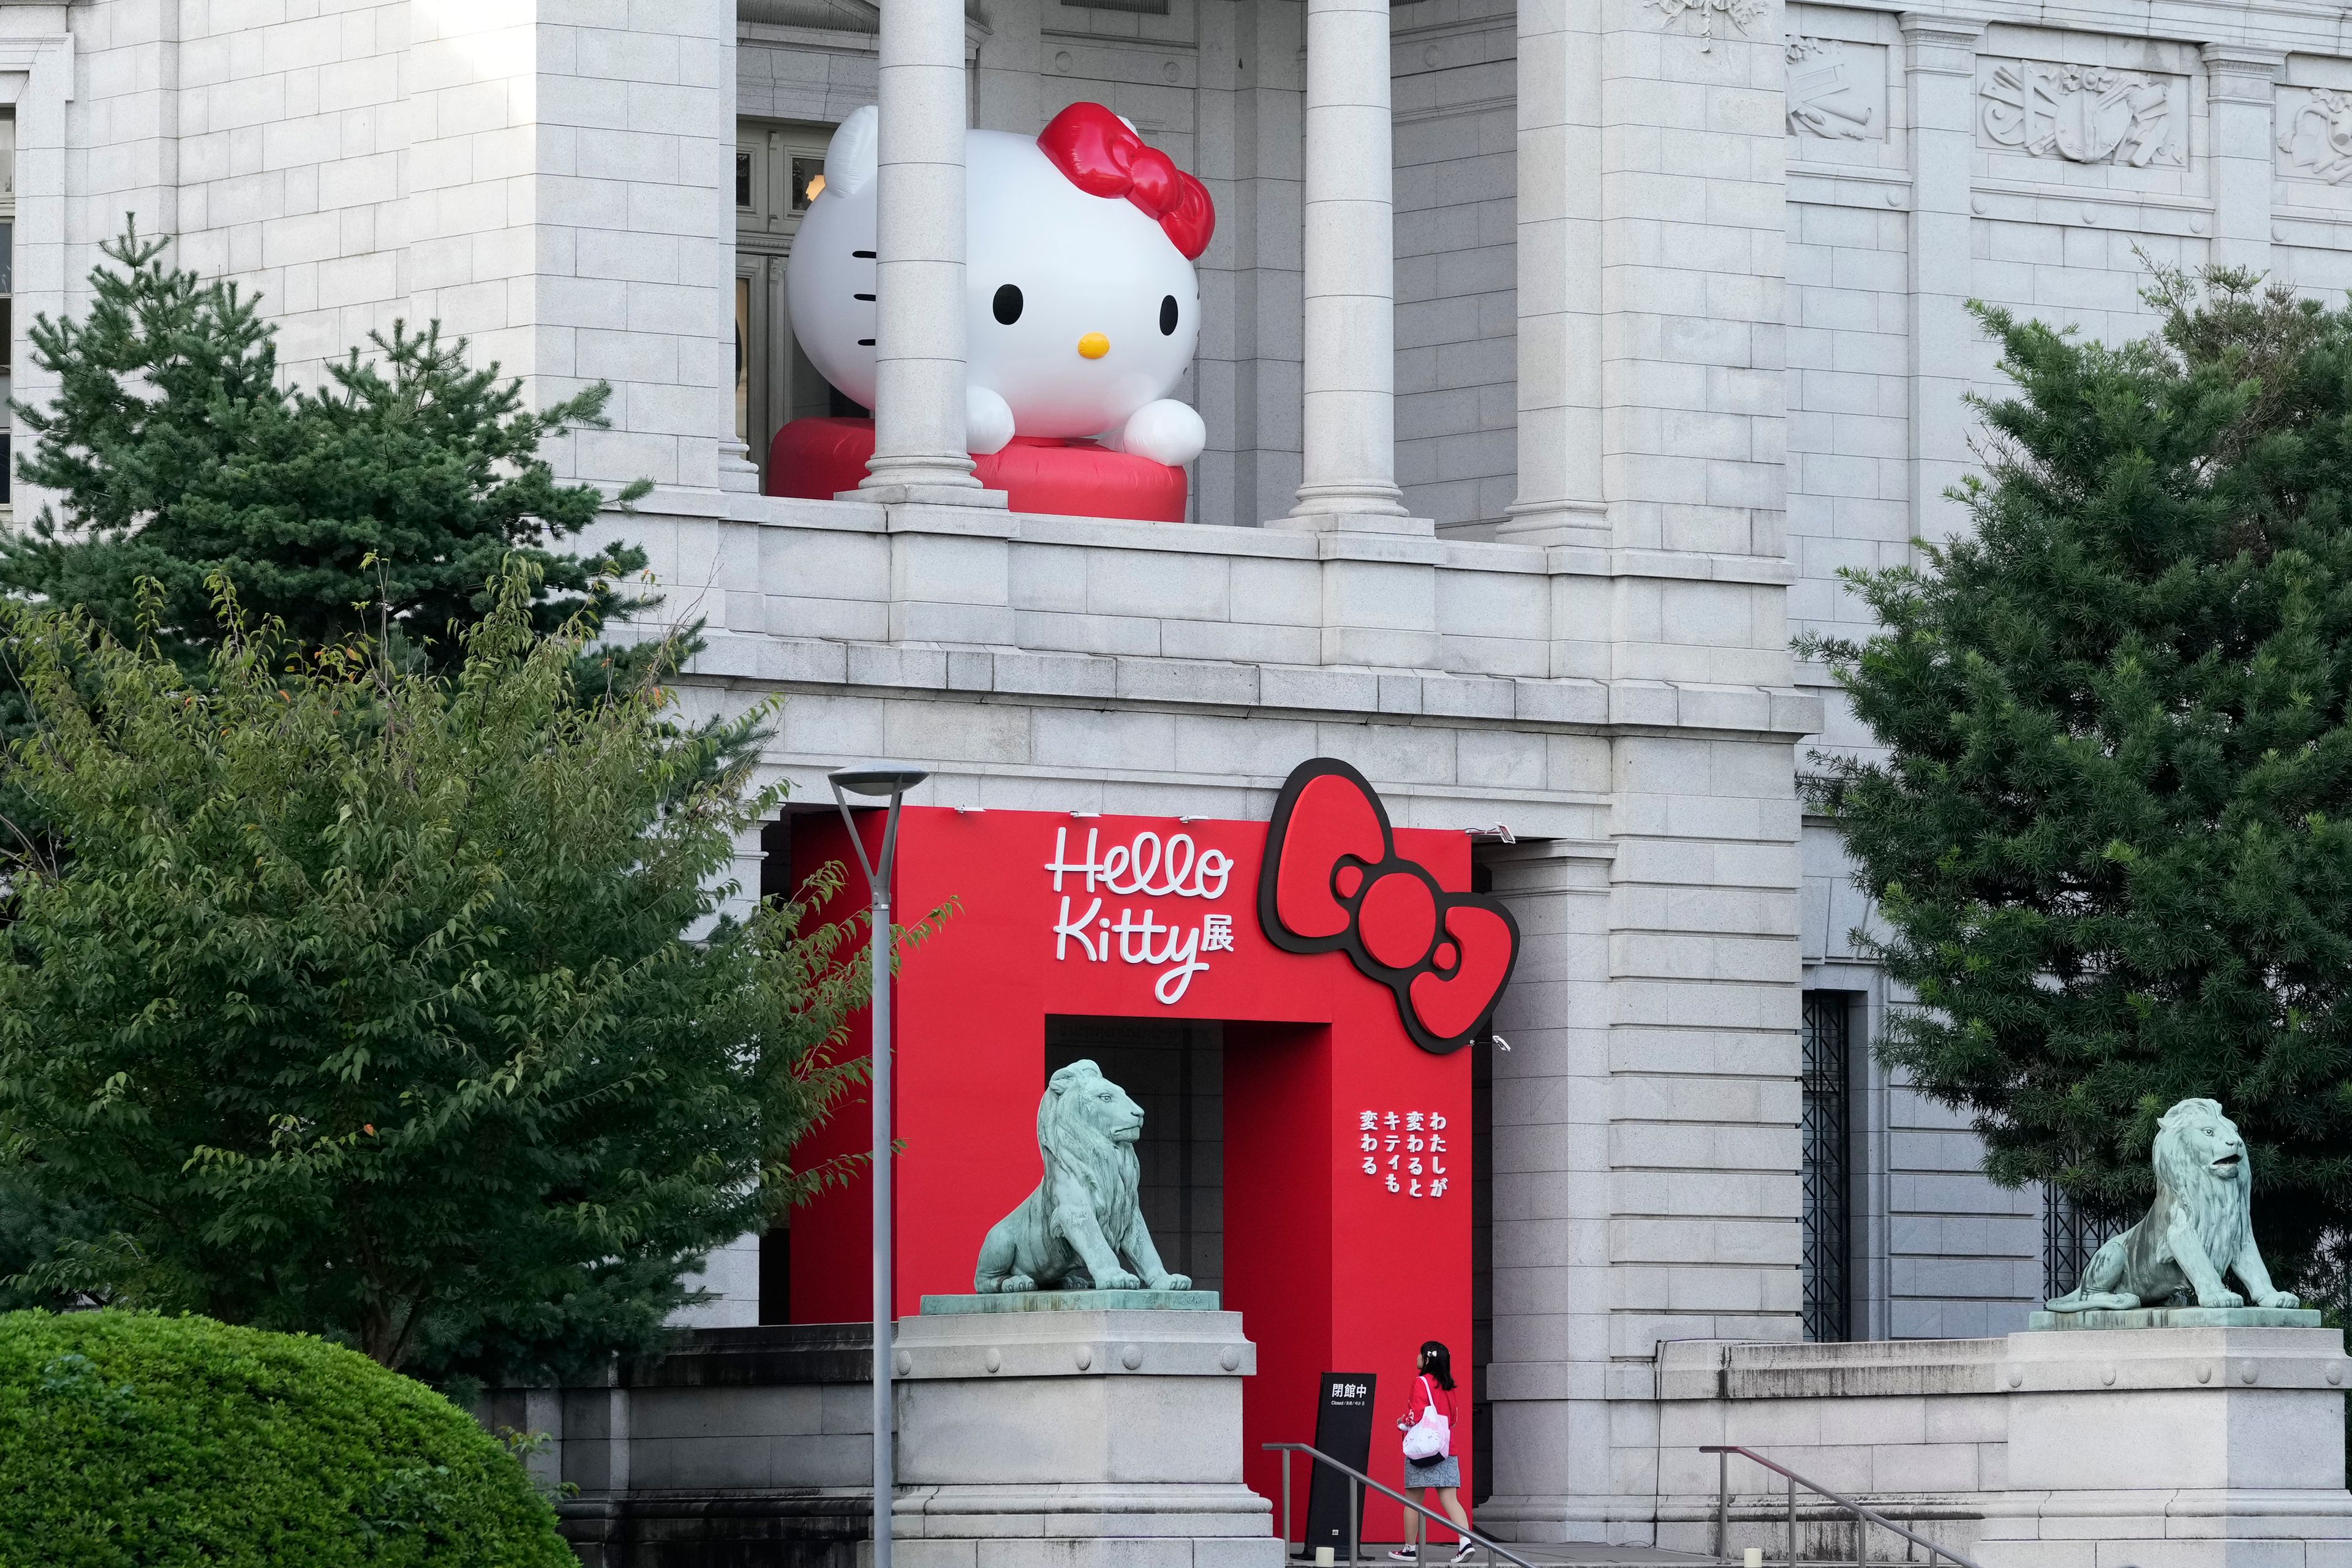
(815, 666)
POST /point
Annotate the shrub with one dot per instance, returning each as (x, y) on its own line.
(133, 1439)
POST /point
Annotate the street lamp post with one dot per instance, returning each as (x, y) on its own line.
(877, 780)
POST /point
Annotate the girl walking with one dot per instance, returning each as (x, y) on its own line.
(1429, 1461)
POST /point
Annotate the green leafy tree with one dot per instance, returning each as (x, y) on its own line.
(177, 449)
(2110, 832)
(395, 1006)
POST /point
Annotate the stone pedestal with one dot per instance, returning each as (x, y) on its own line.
(2172, 1448)
(1075, 1431)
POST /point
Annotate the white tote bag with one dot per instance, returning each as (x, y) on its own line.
(1425, 1439)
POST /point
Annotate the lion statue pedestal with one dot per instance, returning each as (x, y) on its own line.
(2172, 1448)
(1082, 1408)
(2171, 1421)
(1056, 1429)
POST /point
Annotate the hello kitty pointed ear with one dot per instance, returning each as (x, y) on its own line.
(850, 158)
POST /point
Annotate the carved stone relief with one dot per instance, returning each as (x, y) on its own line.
(2083, 114)
(2316, 134)
(1701, 16)
(1836, 90)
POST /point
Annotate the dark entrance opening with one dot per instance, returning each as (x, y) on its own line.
(1175, 1070)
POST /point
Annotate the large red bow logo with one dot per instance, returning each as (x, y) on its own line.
(1101, 155)
(1333, 882)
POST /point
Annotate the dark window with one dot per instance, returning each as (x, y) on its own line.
(807, 172)
(776, 1273)
(1176, 1072)
(743, 180)
(2070, 1236)
(1829, 1167)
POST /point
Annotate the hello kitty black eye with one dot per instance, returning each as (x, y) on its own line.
(1168, 316)
(1007, 304)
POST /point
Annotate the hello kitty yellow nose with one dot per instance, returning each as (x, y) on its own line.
(1094, 345)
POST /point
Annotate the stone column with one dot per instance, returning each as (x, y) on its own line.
(1560, 496)
(1350, 254)
(1941, 63)
(1555, 1432)
(2242, 88)
(919, 449)
(1652, 218)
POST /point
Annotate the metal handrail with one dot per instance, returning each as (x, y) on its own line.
(1864, 1516)
(1357, 1479)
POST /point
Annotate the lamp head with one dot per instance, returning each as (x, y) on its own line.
(876, 778)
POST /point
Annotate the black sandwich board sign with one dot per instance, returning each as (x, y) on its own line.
(1343, 1429)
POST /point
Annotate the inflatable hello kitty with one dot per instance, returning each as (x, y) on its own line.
(1081, 305)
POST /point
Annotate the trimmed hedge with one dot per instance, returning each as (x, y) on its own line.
(134, 1441)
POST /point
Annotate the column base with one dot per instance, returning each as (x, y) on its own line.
(737, 474)
(1395, 523)
(1582, 523)
(918, 493)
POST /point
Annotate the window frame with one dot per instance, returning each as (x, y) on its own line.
(775, 382)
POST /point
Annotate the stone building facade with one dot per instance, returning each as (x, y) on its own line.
(1532, 442)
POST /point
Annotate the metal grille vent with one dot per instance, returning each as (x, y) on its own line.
(1828, 1175)
(2071, 1237)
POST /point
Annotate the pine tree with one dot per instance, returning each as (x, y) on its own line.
(391, 1004)
(177, 449)
(2110, 834)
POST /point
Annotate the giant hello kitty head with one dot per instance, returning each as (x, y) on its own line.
(1081, 305)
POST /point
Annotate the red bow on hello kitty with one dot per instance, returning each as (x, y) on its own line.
(1333, 882)
(1097, 151)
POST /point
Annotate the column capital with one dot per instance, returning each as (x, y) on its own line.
(1941, 46)
(2239, 74)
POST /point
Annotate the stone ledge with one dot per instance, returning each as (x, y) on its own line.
(2177, 1317)
(1309, 691)
(1070, 1301)
(1717, 1369)
(1270, 543)
(778, 1355)
(2191, 1358)
(1120, 1508)
(1078, 1341)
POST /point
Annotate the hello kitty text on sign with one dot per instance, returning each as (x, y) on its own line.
(1147, 867)
(1081, 311)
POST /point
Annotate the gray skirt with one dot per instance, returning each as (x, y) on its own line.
(1445, 1471)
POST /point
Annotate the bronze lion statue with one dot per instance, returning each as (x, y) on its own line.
(2199, 1229)
(1081, 1229)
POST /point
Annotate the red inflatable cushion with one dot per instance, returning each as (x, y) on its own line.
(816, 459)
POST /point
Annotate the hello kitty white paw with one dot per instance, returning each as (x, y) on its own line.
(1165, 431)
(987, 422)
